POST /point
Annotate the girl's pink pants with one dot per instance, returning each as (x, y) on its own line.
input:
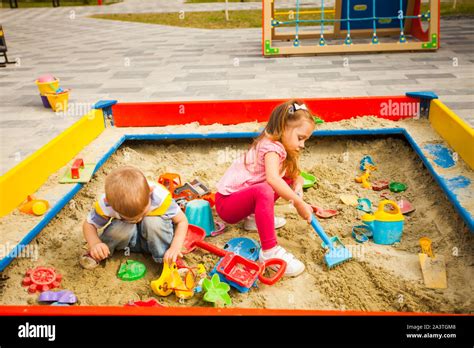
(258, 199)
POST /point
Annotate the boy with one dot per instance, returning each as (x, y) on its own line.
(136, 214)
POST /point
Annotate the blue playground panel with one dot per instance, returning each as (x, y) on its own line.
(364, 9)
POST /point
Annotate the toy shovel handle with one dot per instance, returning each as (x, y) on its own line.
(319, 230)
(211, 248)
(276, 277)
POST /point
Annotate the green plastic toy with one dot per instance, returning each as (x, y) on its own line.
(131, 270)
(318, 120)
(216, 291)
(397, 187)
(309, 180)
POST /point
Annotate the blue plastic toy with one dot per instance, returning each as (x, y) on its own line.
(386, 226)
(199, 213)
(364, 204)
(365, 161)
(337, 253)
(361, 233)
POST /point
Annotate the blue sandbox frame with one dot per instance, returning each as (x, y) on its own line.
(443, 183)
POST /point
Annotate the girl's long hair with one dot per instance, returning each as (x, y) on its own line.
(280, 117)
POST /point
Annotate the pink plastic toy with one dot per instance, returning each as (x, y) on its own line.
(46, 78)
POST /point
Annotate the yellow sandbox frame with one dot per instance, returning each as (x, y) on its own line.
(454, 130)
(270, 35)
(28, 176)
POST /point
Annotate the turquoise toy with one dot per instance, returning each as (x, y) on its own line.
(199, 213)
(385, 224)
(365, 205)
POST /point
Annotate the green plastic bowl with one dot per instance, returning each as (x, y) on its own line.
(397, 187)
(309, 180)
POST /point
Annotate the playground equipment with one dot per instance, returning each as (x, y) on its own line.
(4, 49)
(337, 253)
(433, 267)
(357, 26)
(385, 224)
(79, 172)
(35, 170)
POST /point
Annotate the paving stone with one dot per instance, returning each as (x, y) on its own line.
(196, 64)
(430, 76)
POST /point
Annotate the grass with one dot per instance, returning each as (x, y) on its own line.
(246, 18)
(203, 1)
(48, 3)
(464, 8)
(203, 20)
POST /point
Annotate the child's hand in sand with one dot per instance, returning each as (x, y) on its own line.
(304, 210)
(172, 254)
(99, 251)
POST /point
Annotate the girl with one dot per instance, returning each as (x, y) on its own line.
(249, 188)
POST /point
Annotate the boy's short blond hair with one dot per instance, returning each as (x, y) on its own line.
(127, 191)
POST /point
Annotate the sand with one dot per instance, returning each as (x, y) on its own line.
(379, 278)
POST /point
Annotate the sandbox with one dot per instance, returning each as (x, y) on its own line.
(379, 279)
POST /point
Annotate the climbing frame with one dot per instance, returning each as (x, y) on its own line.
(351, 26)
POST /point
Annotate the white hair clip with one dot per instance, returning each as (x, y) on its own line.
(297, 107)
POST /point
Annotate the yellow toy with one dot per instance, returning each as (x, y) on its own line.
(366, 165)
(34, 206)
(364, 179)
(170, 280)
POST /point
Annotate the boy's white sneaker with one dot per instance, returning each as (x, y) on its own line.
(294, 267)
(250, 225)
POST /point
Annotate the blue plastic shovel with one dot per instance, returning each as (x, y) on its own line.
(337, 253)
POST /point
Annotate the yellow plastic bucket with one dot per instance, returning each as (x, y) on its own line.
(47, 87)
(58, 101)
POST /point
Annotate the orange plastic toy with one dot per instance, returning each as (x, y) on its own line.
(171, 181)
(34, 206)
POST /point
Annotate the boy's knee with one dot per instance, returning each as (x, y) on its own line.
(120, 231)
(155, 225)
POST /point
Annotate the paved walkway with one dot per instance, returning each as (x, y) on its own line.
(101, 59)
